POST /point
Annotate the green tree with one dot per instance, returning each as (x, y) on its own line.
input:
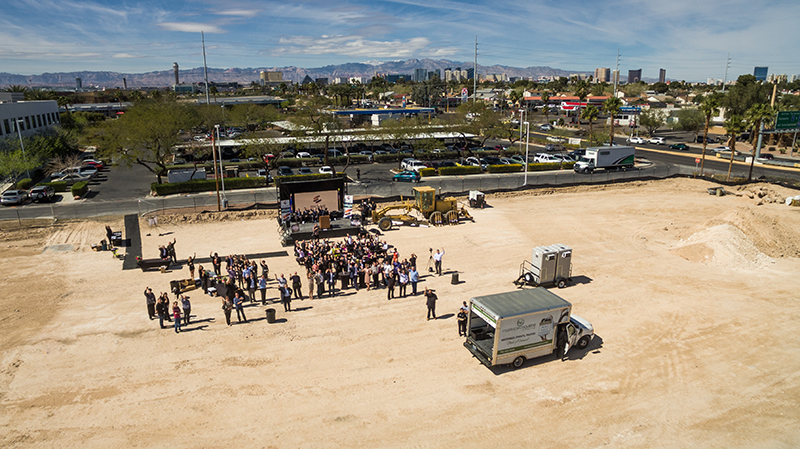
(582, 90)
(710, 108)
(652, 119)
(660, 88)
(16, 88)
(744, 94)
(146, 133)
(757, 115)
(611, 107)
(546, 109)
(590, 113)
(734, 124)
(690, 120)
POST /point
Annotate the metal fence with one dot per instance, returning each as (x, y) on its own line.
(266, 198)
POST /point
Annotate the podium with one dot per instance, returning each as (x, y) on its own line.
(325, 222)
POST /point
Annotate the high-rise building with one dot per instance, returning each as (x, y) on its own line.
(761, 73)
(448, 74)
(662, 76)
(78, 83)
(602, 75)
(615, 77)
(634, 76)
(470, 74)
(175, 70)
(420, 75)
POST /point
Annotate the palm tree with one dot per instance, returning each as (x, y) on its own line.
(611, 107)
(756, 116)
(16, 88)
(545, 98)
(590, 113)
(710, 108)
(65, 102)
(581, 91)
(733, 125)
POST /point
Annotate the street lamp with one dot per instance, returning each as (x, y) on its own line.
(521, 121)
(216, 171)
(527, 143)
(18, 121)
(220, 167)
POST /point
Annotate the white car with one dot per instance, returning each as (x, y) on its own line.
(326, 170)
(636, 140)
(721, 148)
(416, 166)
(406, 163)
(556, 139)
(302, 154)
(546, 158)
(657, 141)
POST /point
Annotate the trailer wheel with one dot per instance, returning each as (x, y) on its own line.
(385, 223)
(584, 342)
(561, 283)
(518, 362)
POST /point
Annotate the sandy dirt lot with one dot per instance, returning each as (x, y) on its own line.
(694, 299)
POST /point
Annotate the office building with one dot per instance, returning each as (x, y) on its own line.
(634, 76)
(662, 76)
(30, 116)
(760, 73)
(175, 71)
(78, 83)
(420, 75)
(615, 77)
(602, 75)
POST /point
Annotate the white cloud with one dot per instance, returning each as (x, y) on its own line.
(238, 13)
(125, 56)
(360, 47)
(191, 27)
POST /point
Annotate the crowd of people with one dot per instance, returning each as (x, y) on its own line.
(309, 214)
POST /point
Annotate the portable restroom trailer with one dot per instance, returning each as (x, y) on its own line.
(551, 264)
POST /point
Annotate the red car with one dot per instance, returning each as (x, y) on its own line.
(96, 164)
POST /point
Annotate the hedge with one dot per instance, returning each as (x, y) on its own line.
(58, 186)
(80, 188)
(428, 156)
(460, 170)
(311, 177)
(206, 185)
(24, 183)
(504, 168)
(386, 157)
(295, 162)
(427, 172)
(549, 166)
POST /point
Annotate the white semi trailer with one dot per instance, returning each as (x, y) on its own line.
(509, 328)
(607, 158)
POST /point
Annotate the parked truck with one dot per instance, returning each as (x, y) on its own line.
(509, 328)
(607, 158)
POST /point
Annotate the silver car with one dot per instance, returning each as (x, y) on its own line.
(13, 197)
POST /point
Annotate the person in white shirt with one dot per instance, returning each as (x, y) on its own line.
(437, 261)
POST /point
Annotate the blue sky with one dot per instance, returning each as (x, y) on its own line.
(689, 38)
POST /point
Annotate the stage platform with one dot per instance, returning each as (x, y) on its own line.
(304, 231)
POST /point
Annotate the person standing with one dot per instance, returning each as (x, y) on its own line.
(187, 309)
(437, 261)
(462, 323)
(171, 250)
(413, 278)
(286, 298)
(203, 278)
(561, 342)
(216, 262)
(150, 298)
(251, 286)
(431, 302)
(190, 263)
(310, 276)
(238, 303)
(403, 280)
(358, 174)
(264, 268)
(227, 307)
(262, 286)
(296, 286)
(176, 315)
(331, 275)
(390, 282)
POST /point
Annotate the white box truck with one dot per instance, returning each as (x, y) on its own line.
(509, 328)
(607, 158)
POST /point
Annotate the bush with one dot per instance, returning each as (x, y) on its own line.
(428, 156)
(771, 149)
(58, 186)
(206, 185)
(510, 168)
(24, 183)
(783, 150)
(461, 170)
(280, 179)
(386, 157)
(549, 166)
(296, 162)
(427, 172)
(80, 188)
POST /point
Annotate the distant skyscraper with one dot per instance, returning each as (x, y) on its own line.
(470, 73)
(761, 73)
(662, 76)
(175, 69)
(602, 75)
(78, 83)
(634, 76)
(420, 75)
(615, 76)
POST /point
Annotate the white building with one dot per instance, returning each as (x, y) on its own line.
(32, 116)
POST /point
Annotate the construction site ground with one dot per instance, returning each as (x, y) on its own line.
(694, 299)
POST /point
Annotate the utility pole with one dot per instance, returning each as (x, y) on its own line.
(727, 66)
(616, 78)
(475, 73)
(205, 67)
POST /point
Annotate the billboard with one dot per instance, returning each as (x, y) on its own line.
(787, 120)
(328, 199)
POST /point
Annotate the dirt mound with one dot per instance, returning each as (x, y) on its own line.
(723, 245)
(762, 193)
(206, 217)
(765, 232)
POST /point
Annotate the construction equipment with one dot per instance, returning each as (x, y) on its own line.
(437, 212)
(549, 265)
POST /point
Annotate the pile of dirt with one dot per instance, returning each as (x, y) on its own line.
(206, 217)
(764, 231)
(723, 245)
(761, 193)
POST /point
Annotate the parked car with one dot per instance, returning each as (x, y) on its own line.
(766, 157)
(492, 160)
(13, 197)
(544, 158)
(448, 164)
(679, 146)
(657, 141)
(636, 140)
(553, 148)
(99, 164)
(264, 173)
(472, 160)
(306, 171)
(721, 148)
(285, 171)
(410, 176)
(332, 152)
(366, 153)
(320, 157)
(326, 170)
(546, 127)
(42, 193)
(405, 162)
(301, 154)
(556, 139)
(518, 159)
(71, 178)
(416, 166)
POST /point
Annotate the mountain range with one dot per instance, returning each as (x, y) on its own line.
(166, 78)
